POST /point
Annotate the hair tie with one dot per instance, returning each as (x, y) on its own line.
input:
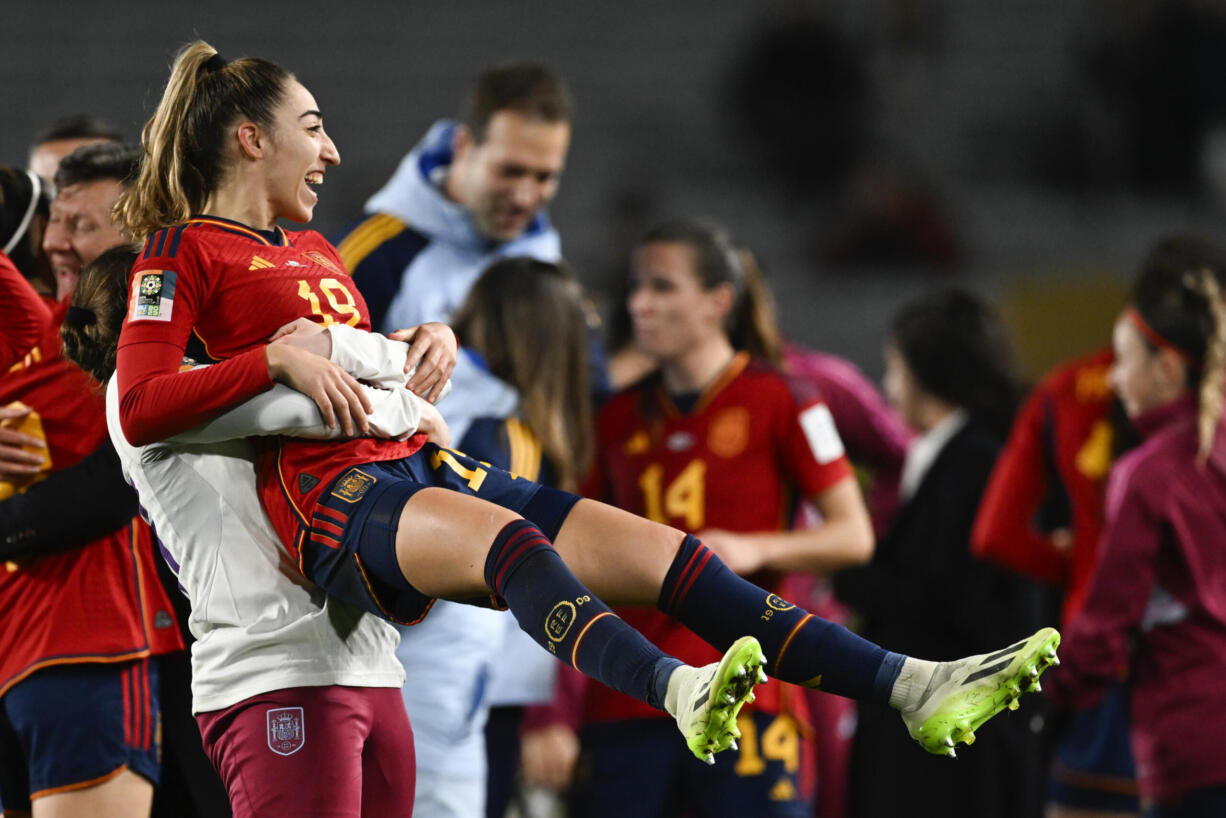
(80, 317)
(215, 63)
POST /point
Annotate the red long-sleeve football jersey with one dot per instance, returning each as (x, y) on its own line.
(216, 290)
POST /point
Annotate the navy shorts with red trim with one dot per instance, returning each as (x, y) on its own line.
(69, 727)
(350, 548)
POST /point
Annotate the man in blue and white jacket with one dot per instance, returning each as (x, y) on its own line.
(469, 193)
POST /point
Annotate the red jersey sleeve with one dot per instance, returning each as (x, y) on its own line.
(166, 295)
(811, 450)
(1004, 529)
(23, 315)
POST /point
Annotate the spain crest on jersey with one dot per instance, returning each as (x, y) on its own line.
(323, 261)
(286, 730)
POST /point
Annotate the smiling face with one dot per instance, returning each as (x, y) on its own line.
(80, 229)
(670, 311)
(299, 152)
(506, 179)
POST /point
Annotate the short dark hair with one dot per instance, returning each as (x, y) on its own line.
(104, 160)
(78, 126)
(526, 88)
(958, 349)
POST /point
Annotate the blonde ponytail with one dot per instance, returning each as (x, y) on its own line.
(1213, 368)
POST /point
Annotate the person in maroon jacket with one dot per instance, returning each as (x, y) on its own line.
(1155, 613)
(1042, 516)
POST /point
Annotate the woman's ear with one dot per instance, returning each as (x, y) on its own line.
(724, 296)
(252, 140)
(1173, 371)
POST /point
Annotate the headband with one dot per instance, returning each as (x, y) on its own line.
(36, 193)
(1151, 335)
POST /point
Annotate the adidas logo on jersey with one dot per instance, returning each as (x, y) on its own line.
(258, 263)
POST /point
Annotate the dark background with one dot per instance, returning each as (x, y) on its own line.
(865, 150)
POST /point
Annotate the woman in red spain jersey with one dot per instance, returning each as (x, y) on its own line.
(391, 526)
(720, 443)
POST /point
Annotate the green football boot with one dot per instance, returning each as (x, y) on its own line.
(966, 693)
(709, 698)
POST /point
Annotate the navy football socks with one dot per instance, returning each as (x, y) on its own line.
(712, 601)
(568, 620)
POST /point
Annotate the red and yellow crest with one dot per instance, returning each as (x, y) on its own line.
(728, 434)
(323, 261)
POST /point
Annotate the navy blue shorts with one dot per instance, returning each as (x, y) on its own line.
(350, 548)
(1093, 767)
(641, 767)
(69, 727)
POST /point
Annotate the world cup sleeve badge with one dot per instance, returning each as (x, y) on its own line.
(153, 295)
(286, 730)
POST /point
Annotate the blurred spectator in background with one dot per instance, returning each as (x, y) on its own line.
(63, 137)
(1042, 515)
(470, 192)
(1155, 613)
(950, 372)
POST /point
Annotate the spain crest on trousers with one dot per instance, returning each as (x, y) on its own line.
(286, 730)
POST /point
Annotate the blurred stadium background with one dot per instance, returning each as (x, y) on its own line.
(864, 149)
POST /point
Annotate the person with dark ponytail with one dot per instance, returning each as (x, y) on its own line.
(389, 526)
(1155, 612)
(950, 373)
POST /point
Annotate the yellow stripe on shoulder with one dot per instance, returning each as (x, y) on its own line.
(367, 237)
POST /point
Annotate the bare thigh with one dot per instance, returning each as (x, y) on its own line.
(444, 537)
(127, 795)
